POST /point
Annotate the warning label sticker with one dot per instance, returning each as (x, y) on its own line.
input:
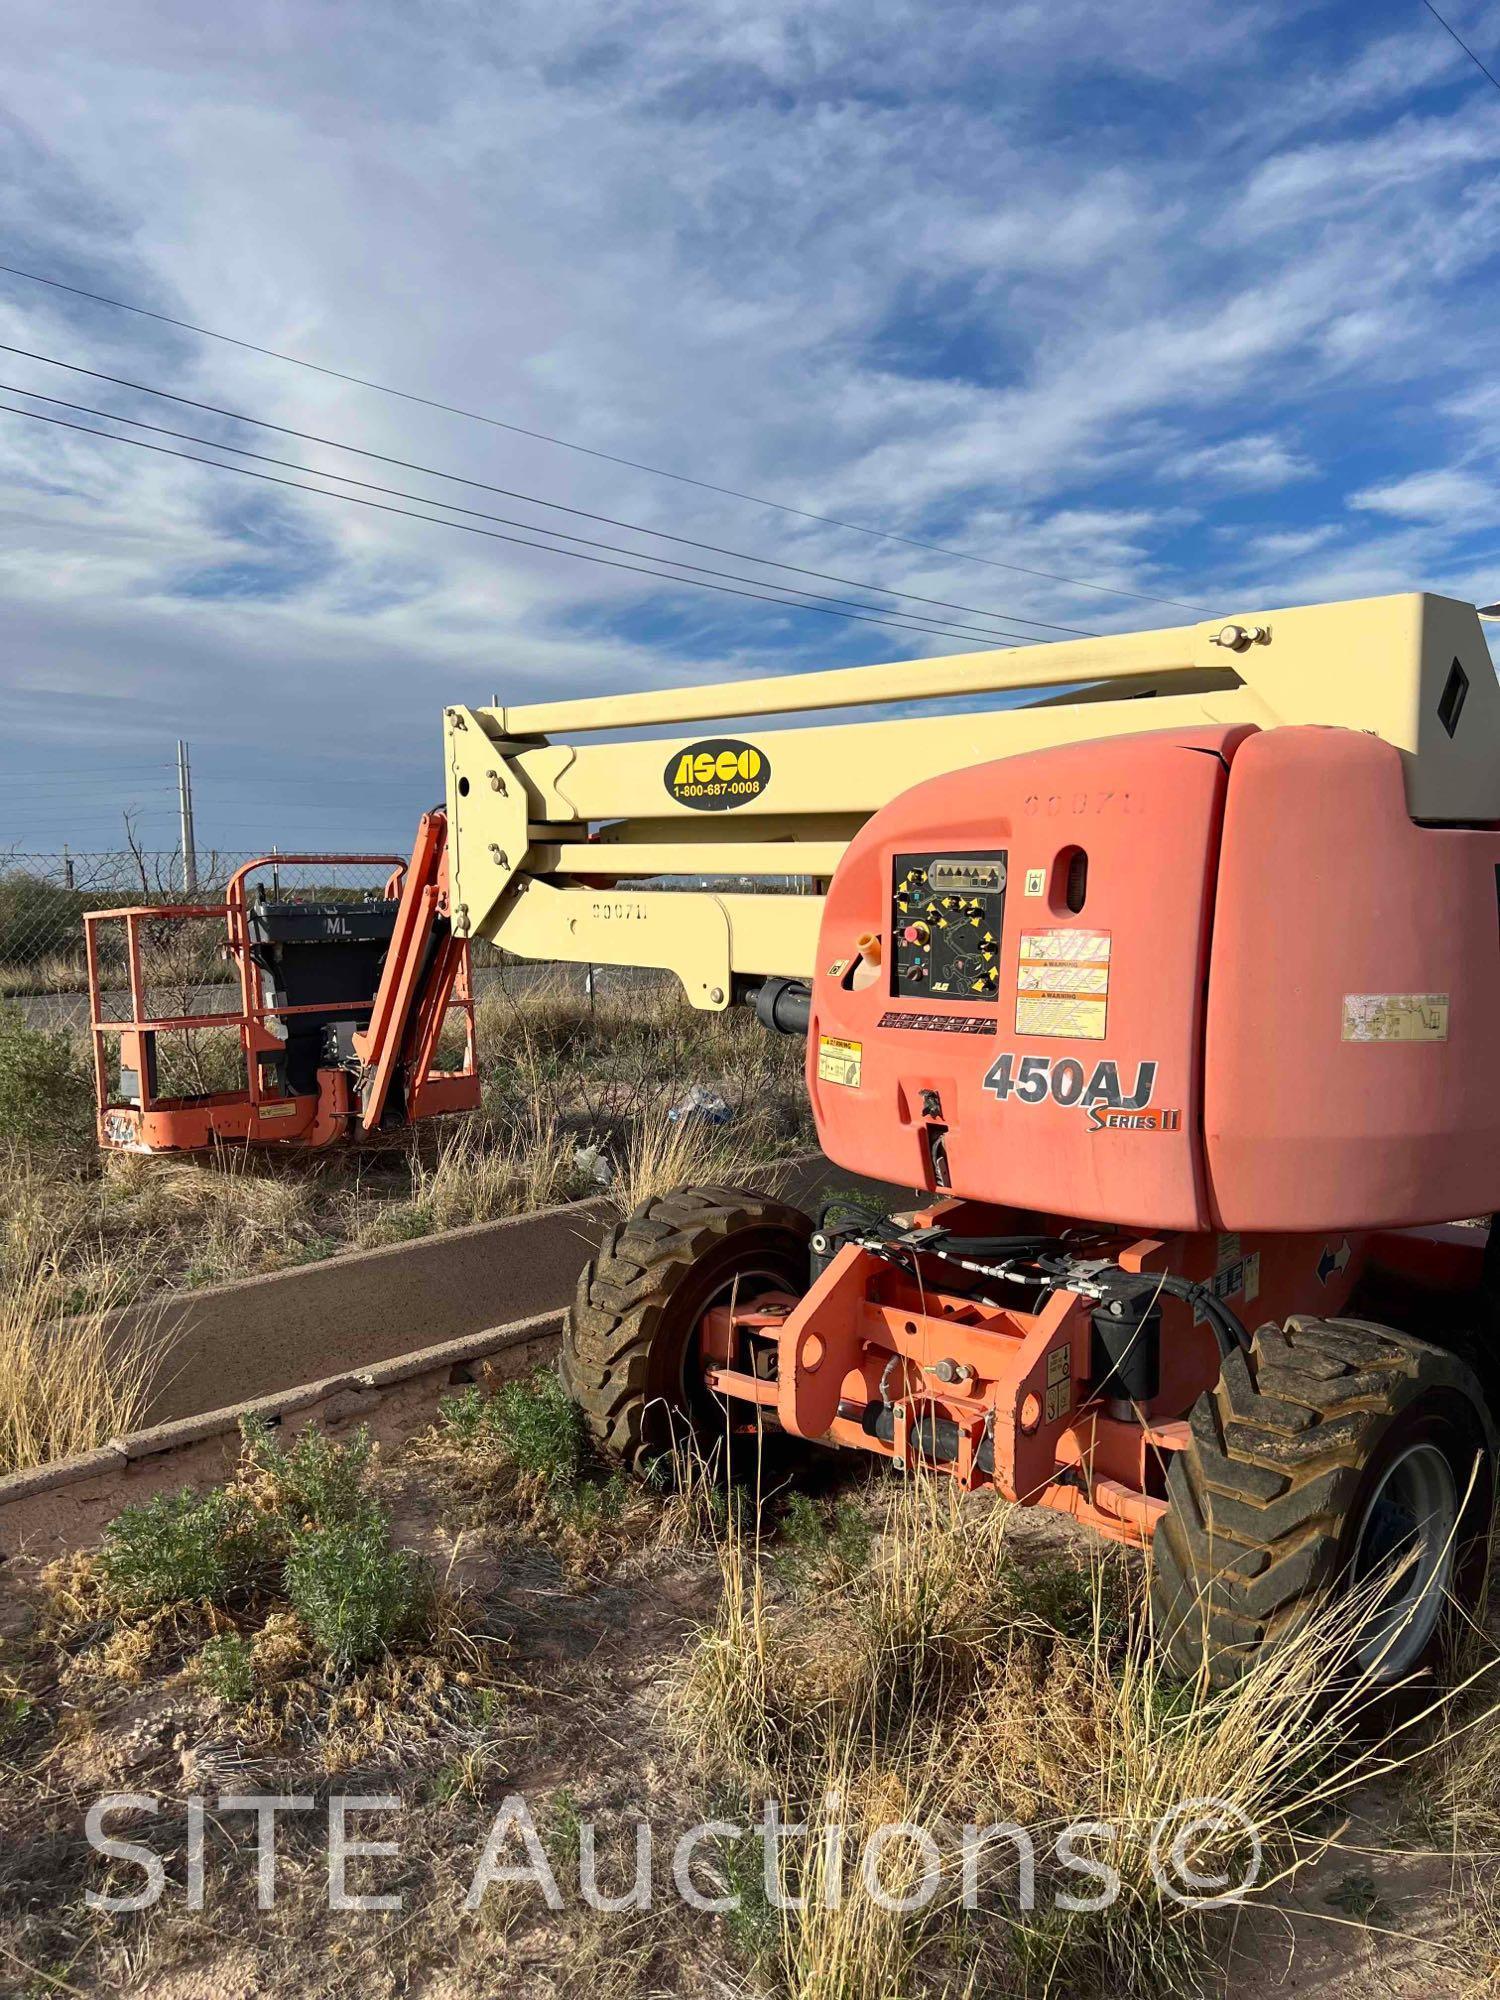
(1062, 984)
(1395, 1017)
(839, 1061)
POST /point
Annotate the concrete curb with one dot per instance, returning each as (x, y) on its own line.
(330, 1344)
(255, 1336)
(46, 1512)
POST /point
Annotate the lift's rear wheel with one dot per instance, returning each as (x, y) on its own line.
(1334, 1454)
(630, 1344)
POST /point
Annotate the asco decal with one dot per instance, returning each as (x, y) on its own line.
(1100, 1092)
(717, 775)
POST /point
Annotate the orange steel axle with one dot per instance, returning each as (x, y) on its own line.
(887, 1356)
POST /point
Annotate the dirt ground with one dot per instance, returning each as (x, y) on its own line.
(572, 1637)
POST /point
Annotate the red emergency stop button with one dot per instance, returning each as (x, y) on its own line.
(915, 934)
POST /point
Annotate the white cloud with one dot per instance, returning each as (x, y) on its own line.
(1451, 495)
(1294, 186)
(1257, 461)
(1280, 547)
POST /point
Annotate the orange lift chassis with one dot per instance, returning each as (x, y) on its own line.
(1179, 1014)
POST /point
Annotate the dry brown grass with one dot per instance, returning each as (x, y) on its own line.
(566, 1078)
(57, 972)
(223, 1192)
(65, 1386)
(661, 1154)
(967, 1675)
(479, 1174)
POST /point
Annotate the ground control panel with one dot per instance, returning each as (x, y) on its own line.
(947, 912)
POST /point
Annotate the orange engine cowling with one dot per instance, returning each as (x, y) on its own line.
(1201, 979)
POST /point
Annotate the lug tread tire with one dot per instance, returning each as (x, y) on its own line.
(621, 1307)
(1260, 1500)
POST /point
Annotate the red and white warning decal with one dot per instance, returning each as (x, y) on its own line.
(1062, 984)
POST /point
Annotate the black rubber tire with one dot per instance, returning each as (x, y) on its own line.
(638, 1303)
(1286, 1450)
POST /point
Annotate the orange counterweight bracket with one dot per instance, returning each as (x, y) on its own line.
(876, 1360)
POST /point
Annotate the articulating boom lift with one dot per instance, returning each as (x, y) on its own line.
(1175, 986)
(1173, 982)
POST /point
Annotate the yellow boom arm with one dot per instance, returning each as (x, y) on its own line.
(552, 841)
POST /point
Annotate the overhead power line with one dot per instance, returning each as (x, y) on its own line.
(487, 486)
(493, 534)
(591, 451)
(896, 615)
(1483, 69)
(18, 795)
(59, 775)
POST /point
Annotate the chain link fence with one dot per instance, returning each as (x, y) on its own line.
(43, 899)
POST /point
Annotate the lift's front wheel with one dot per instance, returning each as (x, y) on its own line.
(1337, 1456)
(630, 1346)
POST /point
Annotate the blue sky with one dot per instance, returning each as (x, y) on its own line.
(1197, 301)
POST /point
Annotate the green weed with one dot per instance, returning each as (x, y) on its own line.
(590, 1506)
(300, 1516)
(16, 1710)
(354, 1593)
(820, 1545)
(562, 1831)
(536, 1425)
(46, 1093)
(541, 1428)
(753, 1924)
(226, 1668)
(466, 1417)
(1357, 1895)
(181, 1548)
(312, 1480)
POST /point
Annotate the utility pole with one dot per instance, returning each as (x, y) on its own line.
(185, 809)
